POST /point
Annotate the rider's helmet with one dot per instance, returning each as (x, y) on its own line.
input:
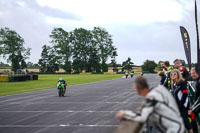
(61, 78)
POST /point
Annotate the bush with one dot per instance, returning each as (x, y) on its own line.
(149, 66)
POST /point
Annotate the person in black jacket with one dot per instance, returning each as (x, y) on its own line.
(179, 91)
(163, 77)
(196, 106)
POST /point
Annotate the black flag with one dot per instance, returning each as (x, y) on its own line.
(186, 43)
(198, 48)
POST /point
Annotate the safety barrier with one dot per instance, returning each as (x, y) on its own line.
(16, 78)
(4, 78)
(120, 72)
(97, 72)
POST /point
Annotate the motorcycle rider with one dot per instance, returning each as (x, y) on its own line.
(126, 74)
(132, 74)
(159, 107)
(63, 82)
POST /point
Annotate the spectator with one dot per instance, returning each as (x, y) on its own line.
(169, 69)
(163, 77)
(196, 106)
(163, 67)
(195, 76)
(179, 91)
(159, 107)
(178, 65)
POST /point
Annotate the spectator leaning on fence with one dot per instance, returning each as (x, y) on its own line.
(179, 91)
(159, 108)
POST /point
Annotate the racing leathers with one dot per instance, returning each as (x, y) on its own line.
(180, 93)
(63, 82)
(161, 109)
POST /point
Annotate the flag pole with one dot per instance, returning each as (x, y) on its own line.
(197, 31)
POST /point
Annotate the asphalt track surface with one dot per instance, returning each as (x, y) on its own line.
(86, 108)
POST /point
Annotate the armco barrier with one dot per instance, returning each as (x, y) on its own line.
(120, 72)
(97, 72)
(4, 78)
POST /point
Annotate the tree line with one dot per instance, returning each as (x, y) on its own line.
(80, 49)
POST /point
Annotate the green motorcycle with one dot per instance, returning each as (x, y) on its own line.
(61, 89)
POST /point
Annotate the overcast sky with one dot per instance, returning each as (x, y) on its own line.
(141, 29)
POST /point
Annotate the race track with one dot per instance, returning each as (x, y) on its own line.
(87, 108)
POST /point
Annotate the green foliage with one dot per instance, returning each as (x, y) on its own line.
(149, 66)
(127, 65)
(62, 44)
(83, 49)
(104, 42)
(11, 47)
(49, 61)
(32, 65)
(158, 67)
(81, 43)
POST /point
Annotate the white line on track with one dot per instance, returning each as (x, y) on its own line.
(61, 125)
(63, 102)
(68, 111)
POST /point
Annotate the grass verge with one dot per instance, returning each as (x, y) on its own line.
(50, 81)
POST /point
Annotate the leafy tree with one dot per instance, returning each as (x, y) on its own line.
(32, 65)
(81, 40)
(11, 47)
(149, 66)
(113, 61)
(127, 65)
(104, 42)
(49, 61)
(94, 63)
(61, 42)
(158, 67)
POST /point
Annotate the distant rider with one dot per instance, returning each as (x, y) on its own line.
(63, 82)
(126, 74)
(132, 74)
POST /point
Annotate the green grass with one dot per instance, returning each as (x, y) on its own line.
(50, 81)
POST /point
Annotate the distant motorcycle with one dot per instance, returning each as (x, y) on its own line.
(61, 89)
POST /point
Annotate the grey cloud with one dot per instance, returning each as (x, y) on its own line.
(53, 12)
(155, 41)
